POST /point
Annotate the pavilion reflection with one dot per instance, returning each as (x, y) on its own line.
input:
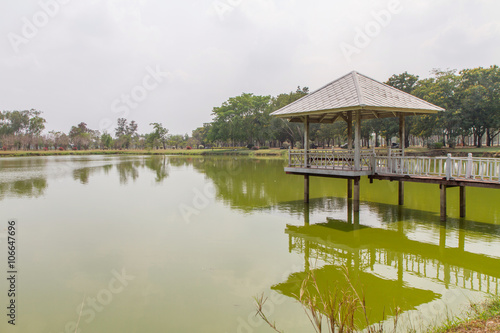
(383, 261)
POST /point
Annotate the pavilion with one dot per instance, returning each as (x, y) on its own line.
(352, 97)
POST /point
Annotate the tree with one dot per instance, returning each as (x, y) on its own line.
(175, 140)
(106, 140)
(158, 136)
(200, 135)
(479, 91)
(125, 133)
(283, 130)
(241, 119)
(407, 83)
(80, 136)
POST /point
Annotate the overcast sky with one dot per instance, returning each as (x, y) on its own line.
(173, 61)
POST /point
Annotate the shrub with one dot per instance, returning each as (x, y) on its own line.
(436, 145)
(250, 146)
(188, 148)
(264, 147)
(61, 148)
(255, 148)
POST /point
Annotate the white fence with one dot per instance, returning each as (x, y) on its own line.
(330, 159)
(485, 169)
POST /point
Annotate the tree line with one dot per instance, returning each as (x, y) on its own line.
(23, 130)
(471, 98)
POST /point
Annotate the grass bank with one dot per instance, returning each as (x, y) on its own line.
(274, 153)
(483, 317)
(271, 153)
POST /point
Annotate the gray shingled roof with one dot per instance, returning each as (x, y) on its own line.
(351, 92)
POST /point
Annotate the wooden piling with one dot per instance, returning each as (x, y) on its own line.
(349, 188)
(306, 188)
(356, 195)
(401, 193)
(462, 201)
(443, 202)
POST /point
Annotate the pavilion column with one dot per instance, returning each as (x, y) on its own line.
(402, 139)
(306, 141)
(357, 160)
(357, 142)
(402, 133)
(349, 147)
(306, 158)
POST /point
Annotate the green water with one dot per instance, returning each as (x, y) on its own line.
(178, 244)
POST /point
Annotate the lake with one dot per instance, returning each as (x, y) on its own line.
(183, 244)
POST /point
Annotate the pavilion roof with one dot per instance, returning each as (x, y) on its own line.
(353, 92)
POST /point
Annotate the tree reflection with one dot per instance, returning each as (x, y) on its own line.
(160, 165)
(384, 259)
(30, 188)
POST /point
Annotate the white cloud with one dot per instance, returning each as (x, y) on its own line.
(93, 51)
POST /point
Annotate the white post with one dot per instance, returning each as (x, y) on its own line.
(469, 166)
(448, 167)
(357, 142)
(289, 156)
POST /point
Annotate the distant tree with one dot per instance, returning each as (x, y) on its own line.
(479, 91)
(106, 140)
(407, 83)
(80, 136)
(175, 140)
(283, 130)
(200, 135)
(158, 136)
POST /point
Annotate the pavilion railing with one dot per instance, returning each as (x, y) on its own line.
(330, 159)
(485, 169)
(395, 163)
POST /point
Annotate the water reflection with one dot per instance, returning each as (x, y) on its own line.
(30, 177)
(29, 188)
(385, 255)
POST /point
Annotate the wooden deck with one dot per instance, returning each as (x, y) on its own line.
(445, 171)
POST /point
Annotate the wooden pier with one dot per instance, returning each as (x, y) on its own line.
(446, 171)
(355, 97)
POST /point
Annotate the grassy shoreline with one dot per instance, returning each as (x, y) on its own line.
(278, 153)
(483, 317)
(193, 152)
